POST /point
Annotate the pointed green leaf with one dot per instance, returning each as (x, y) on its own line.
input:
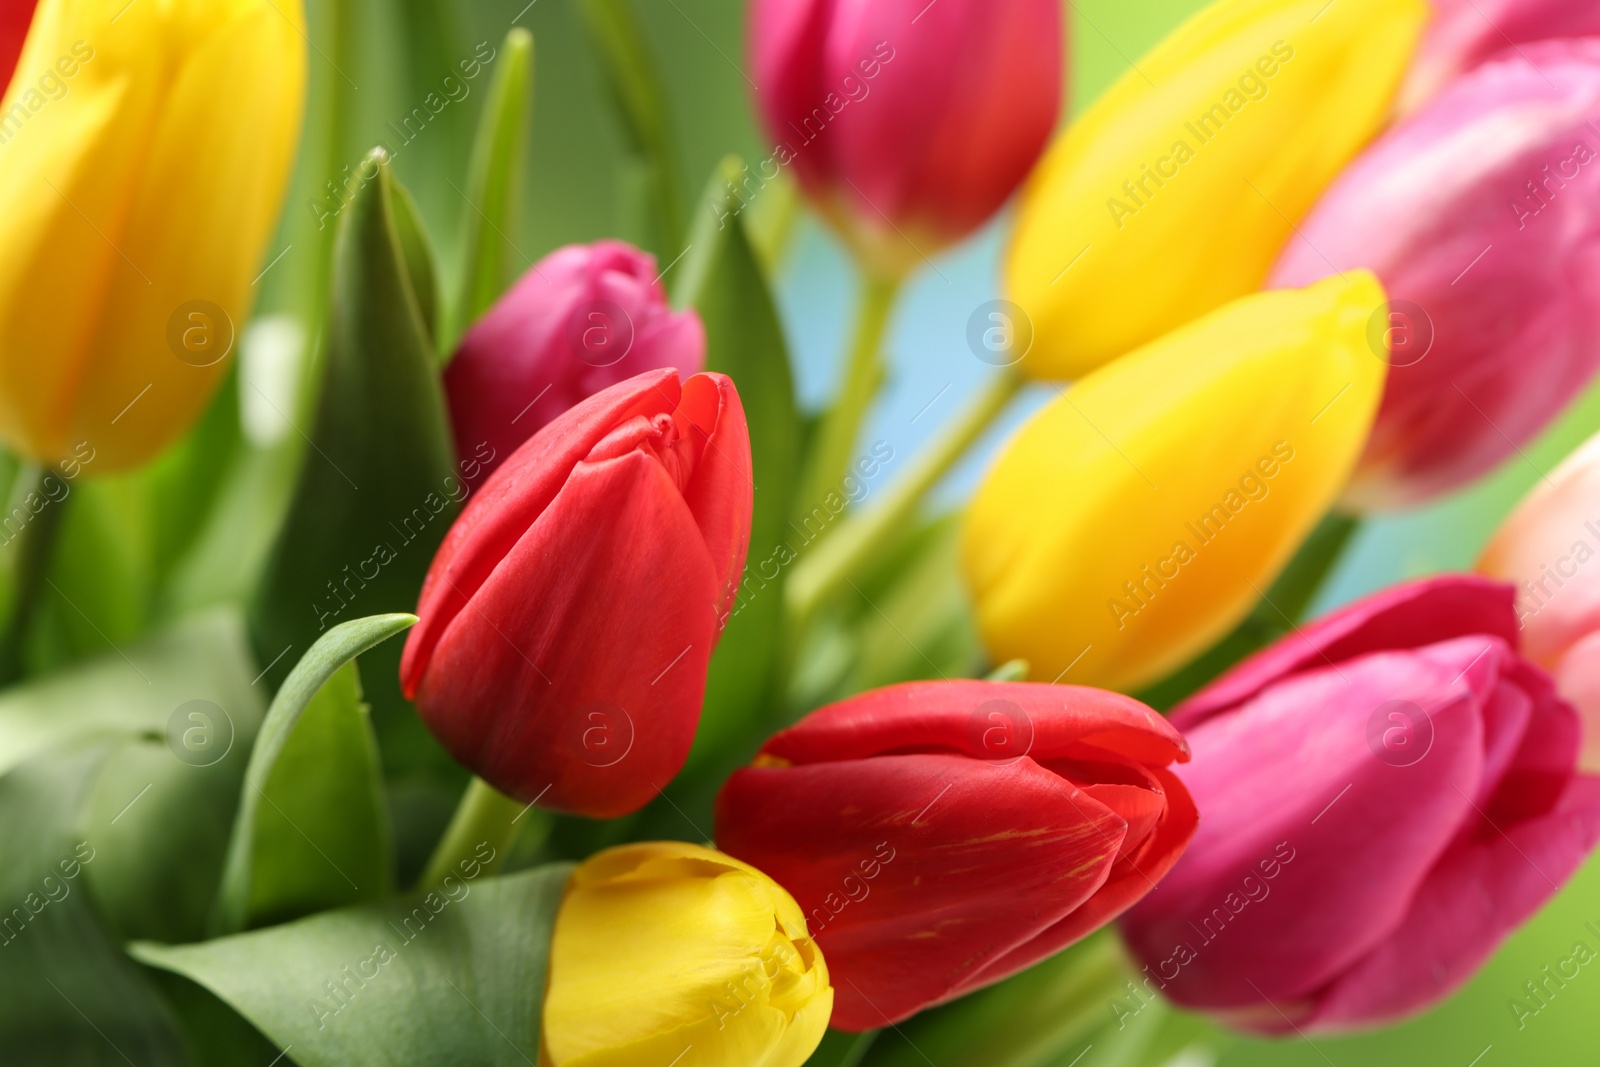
(494, 188)
(455, 976)
(419, 259)
(336, 648)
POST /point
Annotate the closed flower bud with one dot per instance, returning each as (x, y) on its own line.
(908, 123)
(1464, 33)
(1481, 215)
(568, 617)
(581, 319)
(1549, 548)
(1140, 516)
(668, 953)
(1175, 191)
(1388, 793)
(144, 150)
(943, 835)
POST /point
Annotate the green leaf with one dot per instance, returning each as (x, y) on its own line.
(68, 996)
(419, 260)
(494, 188)
(335, 649)
(839, 1049)
(323, 839)
(424, 981)
(378, 487)
(639, 96)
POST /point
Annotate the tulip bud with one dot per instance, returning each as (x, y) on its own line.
(943, 835)
(567, 619)
(668, 953)
(1388, 793)
(1464, 33)
(583, 318)
(1546, 548)
(1139, 517)
(1173, 193)
(144, 150)
(1481, 214)
(908, 123)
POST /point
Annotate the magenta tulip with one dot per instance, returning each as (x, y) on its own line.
(1384, 797)
(1481, 216)
(1464, 33)
(908, 123)
(1550, 547)
(583, 318)
(568, 617)
(940, 836)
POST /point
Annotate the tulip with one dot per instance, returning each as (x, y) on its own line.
(1173, 194)
(14, 22)
(142, 162)
(567, 619)
(943, 835)
(1388, 793)
(1464, 33)
(583, 318)
(1139, 517)
(1481, 213)
(908, 124)
(667, 953)
(1546, 548)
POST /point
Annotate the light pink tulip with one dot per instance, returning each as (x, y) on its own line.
(908, 123)
(1481, 216)
(1466, 32)
(1550, 548)
(1384, 797)
(582, 319)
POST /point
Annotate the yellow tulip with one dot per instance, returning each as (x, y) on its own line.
(671, 953)
(1137, 518)
(1175, 191)
(144, 150)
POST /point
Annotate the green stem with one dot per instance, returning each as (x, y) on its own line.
(485, 816)
(834, 446)
(852, 546)
(26, 556)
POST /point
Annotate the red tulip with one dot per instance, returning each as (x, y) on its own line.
(908, 123)
(568, 617)
(1480, 214)
(14, 22)
(582, 318)
(943, 835)
(1466, 32)
(1388, 794)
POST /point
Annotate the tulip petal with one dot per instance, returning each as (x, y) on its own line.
(1578, 676)
(634, 585)
(721, 494)
(1464, 33)
(899, 861)
(14, 22)
(1405, 616)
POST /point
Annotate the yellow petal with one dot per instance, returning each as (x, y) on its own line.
(1135, 520)
(1175, 191)
(665, 949)
(151, 181)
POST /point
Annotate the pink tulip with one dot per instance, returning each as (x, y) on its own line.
(583, 318)
(1466, 32)
(1549, 547)
(908, 123)
(1481, 216)
(1384, 797)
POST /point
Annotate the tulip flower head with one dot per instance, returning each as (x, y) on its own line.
(1139, 517)
(143, 157)
(1174, 192)
(568, 617)
(1464, 33)
(1481, 215)
(665, 952)
(1548, 548)
(583, 318)
(908, 124)
(941, 836)
(1388, 793)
